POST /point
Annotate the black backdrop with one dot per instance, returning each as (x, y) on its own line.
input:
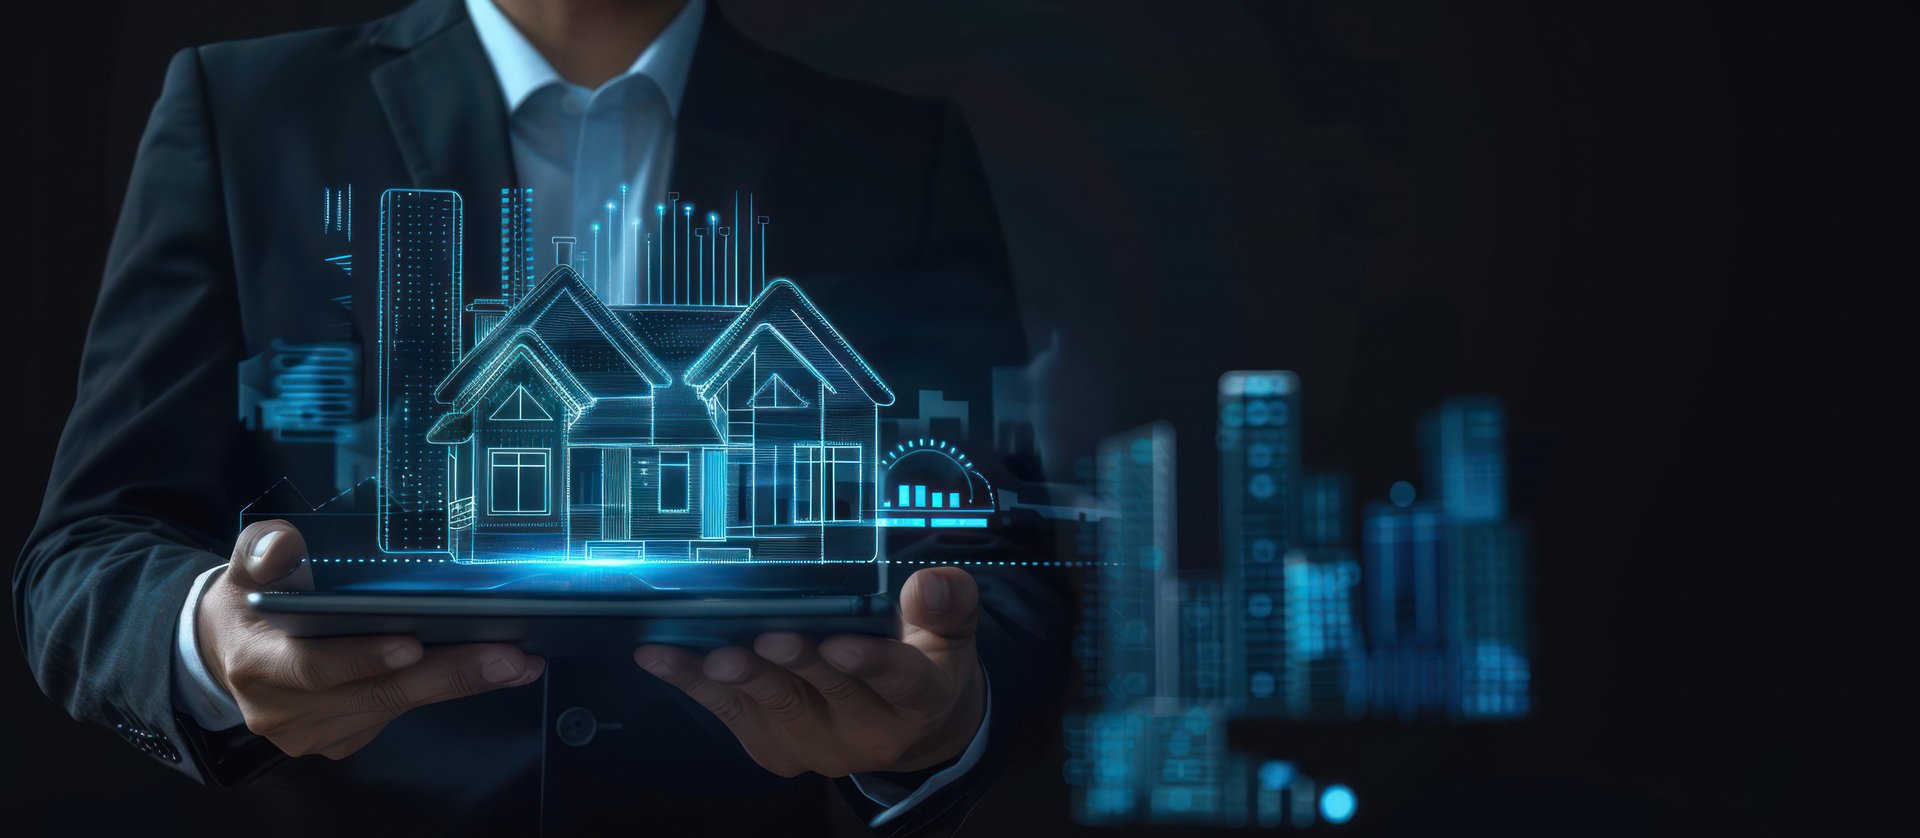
(1641, 228)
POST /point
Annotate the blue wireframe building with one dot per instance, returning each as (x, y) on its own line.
(1259, 439)
(420, 311)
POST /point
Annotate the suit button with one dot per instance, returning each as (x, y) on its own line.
(576, 726)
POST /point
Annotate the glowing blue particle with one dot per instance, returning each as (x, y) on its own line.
(1260, 606)
(1276, 774)
(1337, 803)
(1401, 494)
(1142, 450)
(1260, 455)
(1261, 486)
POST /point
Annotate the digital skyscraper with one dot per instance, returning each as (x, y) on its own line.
(1464, 443)
(1325, 673)
(517, 270)
(1408, 574)
(1259, 438)
(420, 309)
(1139, 585)
(1203, 639)
(1488, 633)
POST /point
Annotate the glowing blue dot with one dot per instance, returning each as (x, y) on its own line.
(1401, 494)
(1275, 774)
(1261, 486)
(1337, 804)
(1259, 455)
(1142, 450)
(1260, 606)
(609, 205)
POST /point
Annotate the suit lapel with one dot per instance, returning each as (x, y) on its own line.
(444, 105)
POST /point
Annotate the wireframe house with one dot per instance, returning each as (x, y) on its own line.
(578, 431)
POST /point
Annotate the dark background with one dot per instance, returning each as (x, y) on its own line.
(1641, 227)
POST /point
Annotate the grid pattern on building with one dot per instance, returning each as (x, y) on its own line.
(516, 244)
(1324, 675)
(1406, 562)
(1203, 639)
(1259, 440)
(420, 301)
(1489, 635)
(1139, 588)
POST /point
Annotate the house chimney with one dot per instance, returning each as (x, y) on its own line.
(563, 250)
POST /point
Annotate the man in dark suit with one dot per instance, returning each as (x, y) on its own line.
(882, 214)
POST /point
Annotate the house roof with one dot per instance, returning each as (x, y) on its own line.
(784, 312)
(522, 346)
(614, 421)
(591, 343)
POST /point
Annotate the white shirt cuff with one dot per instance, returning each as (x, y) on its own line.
(968, 759)
(194, 690)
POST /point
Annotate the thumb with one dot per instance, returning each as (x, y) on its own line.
(269, 554)
(940, 601)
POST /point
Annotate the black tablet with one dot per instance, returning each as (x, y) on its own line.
(572, 626)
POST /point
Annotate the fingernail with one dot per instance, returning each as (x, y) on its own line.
(402, 655)
(535, 666)
(779, 648)
(658, 666)
(724, 668)
(499, 671)
(264, 543)
(934, 592)
(842, 658)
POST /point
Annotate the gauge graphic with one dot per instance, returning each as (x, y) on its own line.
(931, 483)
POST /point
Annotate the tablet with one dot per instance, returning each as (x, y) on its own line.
(572, 626)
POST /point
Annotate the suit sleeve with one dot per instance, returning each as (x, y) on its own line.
(1024, 627)
(137, 503)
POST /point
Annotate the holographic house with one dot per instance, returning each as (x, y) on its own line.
(572, 430)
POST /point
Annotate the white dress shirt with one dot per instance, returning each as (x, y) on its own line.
(584, 146)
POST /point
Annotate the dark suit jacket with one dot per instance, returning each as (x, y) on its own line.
(879, 210)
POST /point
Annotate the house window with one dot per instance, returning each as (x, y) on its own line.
(673, 481)
(518, 481)
(826, 483)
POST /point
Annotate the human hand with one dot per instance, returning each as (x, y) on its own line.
(853, 703)
(328, 696)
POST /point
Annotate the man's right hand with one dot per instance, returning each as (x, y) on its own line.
(328, 696)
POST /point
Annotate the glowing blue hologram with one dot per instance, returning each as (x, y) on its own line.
(567, 429)
(776, 393)
(932, 474)
(1276, 774)
(1325, 674)
(1259, 444)
(1401, 493)
(519, 407)
(302, 392)
(420, 337)
(517, 481)
(1337, 804)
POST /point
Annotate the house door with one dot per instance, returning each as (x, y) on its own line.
(713, 493)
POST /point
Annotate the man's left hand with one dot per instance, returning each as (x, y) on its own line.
(851, 704)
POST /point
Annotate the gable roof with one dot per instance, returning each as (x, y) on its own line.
(574, 327)
(784, 312)
(776, 392)
(523, 346)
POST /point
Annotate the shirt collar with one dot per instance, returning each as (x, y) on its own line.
(522, 70)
